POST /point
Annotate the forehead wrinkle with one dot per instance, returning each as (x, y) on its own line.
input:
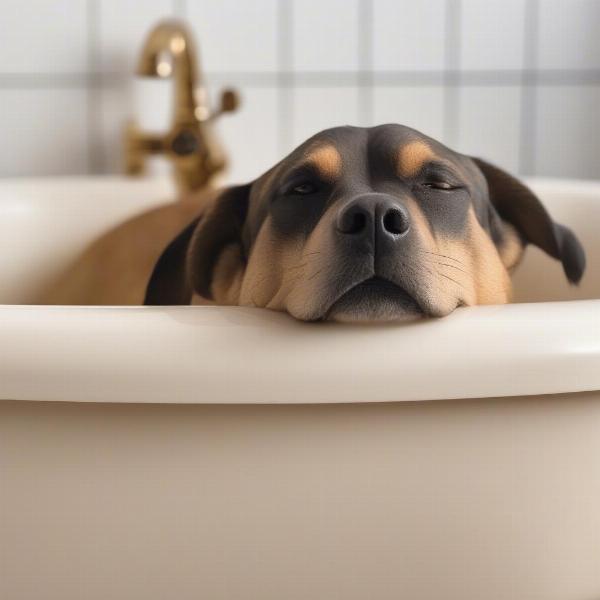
(412, 156)
(327, 160)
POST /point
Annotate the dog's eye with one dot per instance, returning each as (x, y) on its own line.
(304, 188)
(440, 185)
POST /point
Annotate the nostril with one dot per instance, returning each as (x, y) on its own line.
(395, 221)
(357, 223)
(352, 221)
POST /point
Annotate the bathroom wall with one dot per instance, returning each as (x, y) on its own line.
(516, 81)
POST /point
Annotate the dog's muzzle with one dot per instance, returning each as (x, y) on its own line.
(373, 230)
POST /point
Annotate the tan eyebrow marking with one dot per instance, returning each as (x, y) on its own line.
(327, 160)
(412, 157)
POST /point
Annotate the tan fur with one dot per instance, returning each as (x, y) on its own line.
(465, 271)
(412, 156)
(228, 276)
(444, 264)
(314, 267)
(327, 160)
(115, 268)
(490, 278)
(511, 250)
(270, 270)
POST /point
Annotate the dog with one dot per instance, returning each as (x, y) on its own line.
(364, 224)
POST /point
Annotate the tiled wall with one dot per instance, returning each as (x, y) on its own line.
(516, 81)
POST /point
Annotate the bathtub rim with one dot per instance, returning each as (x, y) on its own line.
(213, 355)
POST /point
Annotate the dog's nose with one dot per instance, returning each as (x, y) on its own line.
(373, 215)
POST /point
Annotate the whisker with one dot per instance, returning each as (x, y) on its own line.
(297, 266)
(451, 266)
(460, 262)
(454, 267)
(256, 284)
(453, 280)
(433, 284)
(315, 274)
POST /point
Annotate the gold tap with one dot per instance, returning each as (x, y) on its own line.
(191, 143)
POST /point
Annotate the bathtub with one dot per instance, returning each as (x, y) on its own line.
(225, 453)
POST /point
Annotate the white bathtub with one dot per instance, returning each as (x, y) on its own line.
(234, 453)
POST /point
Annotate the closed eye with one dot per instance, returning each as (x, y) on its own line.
(441, 185)
(304, 189)
(301, 185)
(438, 175)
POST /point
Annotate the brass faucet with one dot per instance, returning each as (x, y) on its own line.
(191, 143)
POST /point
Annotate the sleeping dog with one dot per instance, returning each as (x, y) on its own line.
(364, 224)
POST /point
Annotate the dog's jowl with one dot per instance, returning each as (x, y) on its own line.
(364, 225)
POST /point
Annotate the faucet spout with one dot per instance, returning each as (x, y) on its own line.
(169, 52)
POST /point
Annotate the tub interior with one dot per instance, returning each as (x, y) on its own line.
(46, 223)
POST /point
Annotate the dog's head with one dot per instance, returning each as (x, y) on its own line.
(364, 224)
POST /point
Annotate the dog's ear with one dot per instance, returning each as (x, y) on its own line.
(168, 284)
(189, 262)
(220, 229)
(518, 205)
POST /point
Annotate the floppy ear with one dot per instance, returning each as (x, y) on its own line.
(168, 284)
(188, 263)
(222, 226)
(518, 205)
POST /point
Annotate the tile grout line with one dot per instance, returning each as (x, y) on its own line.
(529, 80)
(452, 78)
(364, 76)
(451, 73)
(285, 80)
(92, 90)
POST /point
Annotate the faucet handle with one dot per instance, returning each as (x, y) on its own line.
(230, 100)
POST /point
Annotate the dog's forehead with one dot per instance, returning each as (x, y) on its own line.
(350, 150)
(408, 150)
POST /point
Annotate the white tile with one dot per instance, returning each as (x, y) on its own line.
(568, 132)
(489, 124)
(249, 135)
(569, 33)
(492, 34)
(152, 103)
(325, 35)
(236, 36)
(408, 35)
(317, 108)
(42, 36)
(45, 131)
(147, 102)
(418, 107)
(122, 28)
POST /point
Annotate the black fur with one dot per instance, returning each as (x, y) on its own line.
(518, 205)
(168, 284)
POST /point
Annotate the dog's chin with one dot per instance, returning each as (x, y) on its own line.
(372, 301)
